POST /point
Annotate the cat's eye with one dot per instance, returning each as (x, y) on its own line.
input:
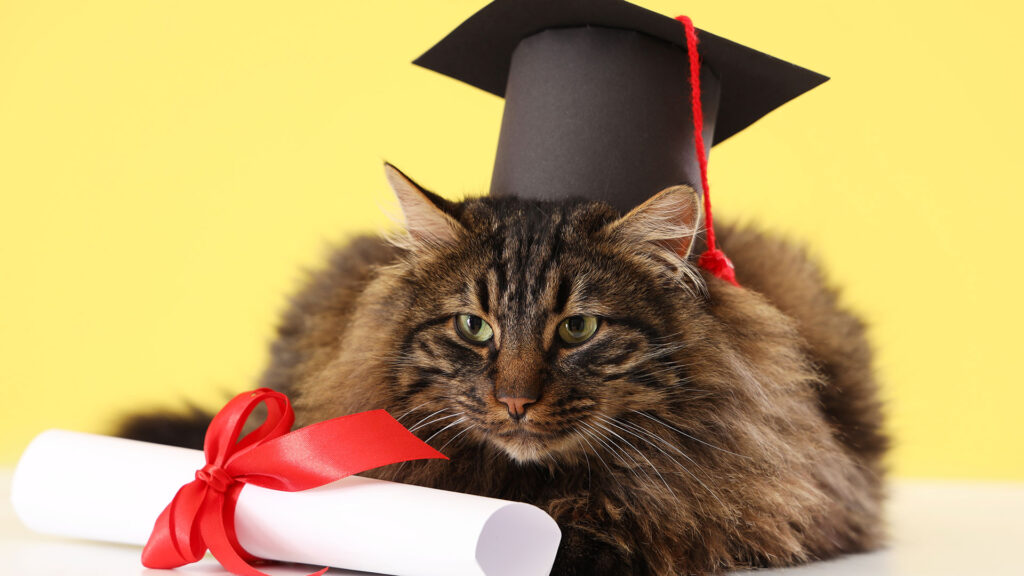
(577, 329)
(473, 328)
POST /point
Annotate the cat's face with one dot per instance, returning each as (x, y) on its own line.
(534, 326)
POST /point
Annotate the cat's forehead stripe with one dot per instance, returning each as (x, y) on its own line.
(562, 295)
(483, 294)
(530, 248)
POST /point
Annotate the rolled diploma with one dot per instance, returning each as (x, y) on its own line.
(111, 489)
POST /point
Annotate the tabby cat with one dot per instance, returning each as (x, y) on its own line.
(572, 357)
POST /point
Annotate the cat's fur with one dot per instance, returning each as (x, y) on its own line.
(703, 427)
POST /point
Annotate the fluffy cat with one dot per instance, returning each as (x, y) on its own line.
(569, 356)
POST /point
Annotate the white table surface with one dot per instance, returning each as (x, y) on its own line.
(937, 528)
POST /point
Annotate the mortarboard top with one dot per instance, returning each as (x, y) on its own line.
(598, 96)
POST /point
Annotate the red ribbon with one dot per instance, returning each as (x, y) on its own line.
(201, 515)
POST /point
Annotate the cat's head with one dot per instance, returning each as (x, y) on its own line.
(535, 325)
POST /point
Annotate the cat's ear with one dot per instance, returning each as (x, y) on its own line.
(425, 216)
(670, 220)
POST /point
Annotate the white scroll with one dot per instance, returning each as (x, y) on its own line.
(111, 489)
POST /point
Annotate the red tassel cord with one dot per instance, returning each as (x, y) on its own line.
(713, 260)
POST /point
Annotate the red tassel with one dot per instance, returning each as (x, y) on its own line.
(713, 260)
(716, 262)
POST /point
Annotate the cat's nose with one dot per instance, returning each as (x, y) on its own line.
(516, 406)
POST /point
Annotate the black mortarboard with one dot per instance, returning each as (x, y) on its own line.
(598, 97)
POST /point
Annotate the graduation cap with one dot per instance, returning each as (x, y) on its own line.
(605, 100)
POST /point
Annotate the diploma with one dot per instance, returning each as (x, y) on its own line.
(111, 489)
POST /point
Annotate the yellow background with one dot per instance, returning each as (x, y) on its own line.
(169, 169)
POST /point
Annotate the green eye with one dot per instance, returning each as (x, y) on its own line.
(577, 329)
(473, 328)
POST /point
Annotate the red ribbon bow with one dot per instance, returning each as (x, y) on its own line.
(201, 515)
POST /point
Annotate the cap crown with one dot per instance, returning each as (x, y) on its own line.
(598, 97)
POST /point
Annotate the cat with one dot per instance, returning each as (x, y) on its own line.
(569, 356)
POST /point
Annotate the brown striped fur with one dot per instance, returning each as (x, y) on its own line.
(704, 427)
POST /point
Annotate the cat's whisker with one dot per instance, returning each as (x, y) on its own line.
(618, 452)
(402, 465)
(583, 435)
(450, 440)
(605, 434)
(665, 370)
(427, 417)
(677, 383)
(661, 351)
(587, 459)
(673, 337)
(410, 411)
(666, 351)
(436, 420)
(631, 428)
(635, 449)
(684, 468)
(646, 459)
(658, 358)
(601, 439)
(669, 426)
(445, 428)
(675, 448)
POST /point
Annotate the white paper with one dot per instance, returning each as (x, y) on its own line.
(110, 489)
